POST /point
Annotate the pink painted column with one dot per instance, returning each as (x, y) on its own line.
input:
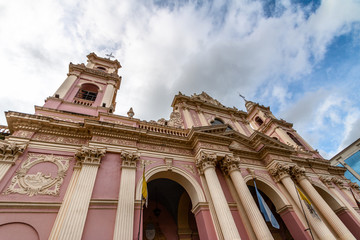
(204, 222)
(294, 225)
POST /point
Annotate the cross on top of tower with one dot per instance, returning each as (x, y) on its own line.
(110, 55)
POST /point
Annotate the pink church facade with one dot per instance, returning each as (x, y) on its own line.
(73, 170)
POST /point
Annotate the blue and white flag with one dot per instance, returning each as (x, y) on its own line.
(265, 210)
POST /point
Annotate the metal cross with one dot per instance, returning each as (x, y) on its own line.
(110, 55)
(242, 97)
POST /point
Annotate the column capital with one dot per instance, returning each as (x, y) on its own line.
(206, 160)
(298, 173)
(9, 151)
(230, 163)
(340, 182)
(354, 185)
(280, 171)
(129, 159)
(90, 155)
(327, 180)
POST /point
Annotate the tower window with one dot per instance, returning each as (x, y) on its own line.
(259, 121)
(294, 139)
(102, 69)
(87, 92)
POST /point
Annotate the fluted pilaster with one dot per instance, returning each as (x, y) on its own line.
(336, 224)
(71, 218)
(124, 222)
(230, 165)
(206, 164)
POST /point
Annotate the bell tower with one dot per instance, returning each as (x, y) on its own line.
(89, 89)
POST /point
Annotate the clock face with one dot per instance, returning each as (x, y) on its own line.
(150, 231)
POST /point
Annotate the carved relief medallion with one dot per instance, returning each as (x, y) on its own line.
(46, 180)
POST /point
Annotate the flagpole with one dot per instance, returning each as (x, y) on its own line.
(141, 208)
(302, 207)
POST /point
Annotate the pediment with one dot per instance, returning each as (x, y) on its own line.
(240, 147)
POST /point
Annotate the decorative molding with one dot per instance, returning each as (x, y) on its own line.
(39, 183)
(189, 167)
(169, 163)
(230, 163)
(59, 139)
(279, 171)
(327, 180)
(89, 155)
(129, 159)
(297, 172)
(206, 160)
(10, 151)
(339, 182)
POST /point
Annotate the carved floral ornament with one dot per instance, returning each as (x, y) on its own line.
(327, 180)
(40, 183)
(129, 159)
(280, 170)
(354, 185)
(206, 160)
(90, 155)
(10, 151)
(230, 163)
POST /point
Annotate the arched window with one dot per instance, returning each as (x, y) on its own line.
(294, 139)
(87, 92)
(259, 121)
(275, 138)
(101, 68)
(217, 122)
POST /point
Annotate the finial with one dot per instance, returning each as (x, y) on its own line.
(130, 113)
(110, 56)
(242, 97)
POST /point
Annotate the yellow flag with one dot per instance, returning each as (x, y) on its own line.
(303, 197)
(144, 189)
(308, 203)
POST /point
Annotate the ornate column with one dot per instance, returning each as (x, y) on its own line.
(328, 181)
(281, 173)
(124, 222)
(65, 86)
(336, 224)
(230, 166)
(206, 164)
(201, 116)
(9, 153)
(69, 223)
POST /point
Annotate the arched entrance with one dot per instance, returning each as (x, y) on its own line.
(290, 225)
(191, 204)
(168, 215)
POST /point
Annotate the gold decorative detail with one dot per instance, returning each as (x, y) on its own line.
(90, 155)
(39, 183)
(129, 159)
(10, 151)
(205, 161)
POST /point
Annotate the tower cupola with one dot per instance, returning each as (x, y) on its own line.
(88, 89)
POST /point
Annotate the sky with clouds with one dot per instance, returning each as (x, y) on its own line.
(301, 58)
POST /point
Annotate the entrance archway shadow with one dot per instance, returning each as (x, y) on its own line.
(178, 175)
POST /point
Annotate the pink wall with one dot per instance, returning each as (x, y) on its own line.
(224, 186)
(107, 181)
(205, 225)
(41, 222)
(239, 224)
(100, 223)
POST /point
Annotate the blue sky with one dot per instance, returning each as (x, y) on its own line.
(301, 58)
